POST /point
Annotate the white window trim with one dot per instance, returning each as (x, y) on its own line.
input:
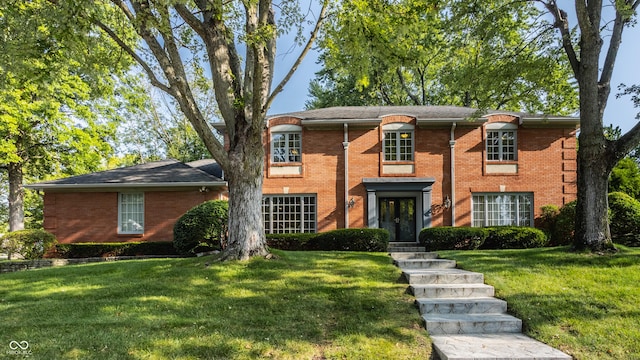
(286, 130)
(501, 128)
(303, 206)
(136, 232)
(398, 128)
(486, 207)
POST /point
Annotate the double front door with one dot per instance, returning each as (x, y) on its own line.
(398, 216)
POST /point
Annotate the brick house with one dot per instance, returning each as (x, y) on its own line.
(401, 168)
(136, 203)
(404, 168)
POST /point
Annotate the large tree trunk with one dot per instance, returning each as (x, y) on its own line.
(245, 176)
(592, 209)
(16, 197)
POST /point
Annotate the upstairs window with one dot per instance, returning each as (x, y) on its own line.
(286, 144)
(130, 213)
(501, 142)
(398, 142)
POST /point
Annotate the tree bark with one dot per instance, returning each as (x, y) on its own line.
(16, 197)
(246, 226)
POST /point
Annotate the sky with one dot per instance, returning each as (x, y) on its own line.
(619, 112)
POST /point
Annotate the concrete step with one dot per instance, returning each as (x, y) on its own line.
(442, 276)
(413, 255)
(415, 248)
(425, 264)
(493, 346)
(404, 243)
(479, 305)
(439, 291)
(447, 324)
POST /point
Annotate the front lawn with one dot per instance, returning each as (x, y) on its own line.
(586, 305)
(302, 305)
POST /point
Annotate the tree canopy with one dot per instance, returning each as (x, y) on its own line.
(56, 78)
(484, 54)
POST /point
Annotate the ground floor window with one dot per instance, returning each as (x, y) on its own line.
(503, 209)
(289, 213)
(130, 213)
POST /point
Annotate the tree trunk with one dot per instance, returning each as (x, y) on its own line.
(16, 197)
(246, 227)
(592, 209)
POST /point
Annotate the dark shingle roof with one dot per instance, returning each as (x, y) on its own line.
(165, 173)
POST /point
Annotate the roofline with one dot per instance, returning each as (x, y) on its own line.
(124, 185)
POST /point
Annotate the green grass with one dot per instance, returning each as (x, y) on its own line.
(302, 305)
(586, 305)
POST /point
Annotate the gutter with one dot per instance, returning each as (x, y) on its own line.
(345, 145)
(452, 145)
(123, 185)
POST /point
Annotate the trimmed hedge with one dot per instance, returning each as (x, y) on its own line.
(474, 238)
(89, 250)
(31, 244)
(202, 228)
(453, 238)
(564, 225)
(369, 240)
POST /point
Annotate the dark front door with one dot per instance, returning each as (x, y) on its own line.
(398, 216)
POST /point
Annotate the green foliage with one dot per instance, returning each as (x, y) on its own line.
(372, 240)
(624, 219)
(453, 238)
(564, 225)
(87, 250)
(473, 238)
(548, 218)
(514, 237)
(204, 227)
(459, 52)
(30, 244)
(625, 177)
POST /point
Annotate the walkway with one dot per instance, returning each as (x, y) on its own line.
(462, 317)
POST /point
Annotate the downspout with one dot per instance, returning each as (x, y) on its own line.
(345, 145)
(452, 145)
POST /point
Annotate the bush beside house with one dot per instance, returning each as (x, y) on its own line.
(202, 228)
(29, 244)
(474, 238)
(370, 240)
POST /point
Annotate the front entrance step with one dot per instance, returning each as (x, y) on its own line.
(403, 243)
(413, 255)
(405, 264)
(447, 324)
(480, 305)
(493, 346)
(415, 248)
(443, 276)
(439, 291)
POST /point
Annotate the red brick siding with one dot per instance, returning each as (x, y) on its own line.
(546, 168)
(93, 216)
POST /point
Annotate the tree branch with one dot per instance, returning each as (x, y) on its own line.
(312, 38)
(562, 24)
(145, 66)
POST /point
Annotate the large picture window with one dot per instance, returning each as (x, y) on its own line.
(501, 142)
(503, 209)
(286, 147)
(289, 213)
(398, 142)
(130, 213)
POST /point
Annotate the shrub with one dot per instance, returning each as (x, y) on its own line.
(87, 250)
(371, 240)
(624, 218)
(452, 238)
(31, 244)
(564, 226)
(514, 237)
(548, 219)
(202, 228)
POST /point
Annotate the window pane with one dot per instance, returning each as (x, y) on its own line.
(501, 145)
(286, 147)
(131, 213)
(502, 210)
(289, 214)
(390, 145)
